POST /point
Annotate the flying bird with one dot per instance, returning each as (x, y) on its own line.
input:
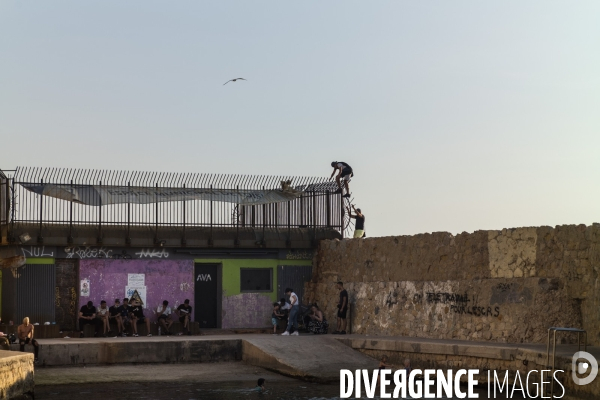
(233, 80)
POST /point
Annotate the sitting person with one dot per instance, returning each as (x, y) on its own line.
(318, 324)
(114, 313)
(164, 317)
(124, 310)
(136, 313)
(184, 311)
(25, 334)
(4, 342)
(276, 315)
(102, 316)
(87, 316)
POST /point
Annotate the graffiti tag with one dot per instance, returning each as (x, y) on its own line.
(88, 252)
(152, 253)
(35, 251)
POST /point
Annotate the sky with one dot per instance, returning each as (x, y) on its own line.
(455, 115)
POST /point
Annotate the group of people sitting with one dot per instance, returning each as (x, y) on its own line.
(131, 313)
(314, 321)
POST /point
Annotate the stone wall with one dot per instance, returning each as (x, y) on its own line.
(502, 286)
(16, 374)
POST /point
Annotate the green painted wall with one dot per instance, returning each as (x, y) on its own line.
(40, 260)
(231, 272)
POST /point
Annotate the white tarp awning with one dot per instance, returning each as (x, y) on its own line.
(95, 195)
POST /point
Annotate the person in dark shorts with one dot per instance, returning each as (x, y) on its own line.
(184, 311)
(359, 227)
(114, 313)
(342, 309)
(276, 315)
(164, 317)
(87, 316)
(344, 174)
(25, 334)
(136, 312)
(124, 310)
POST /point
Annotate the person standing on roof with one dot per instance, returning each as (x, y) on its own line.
(344, 174)
(359, 227)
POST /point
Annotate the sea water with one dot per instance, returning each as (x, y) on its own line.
(185, 390)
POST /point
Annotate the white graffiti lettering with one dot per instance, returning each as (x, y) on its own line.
(204, 277)
(88, 252)
(35, 251)
(152, 253)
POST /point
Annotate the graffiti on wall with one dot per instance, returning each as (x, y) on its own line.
(152, 253)
(88, 252)
(299, 255)
(36, 251)
(459, 304)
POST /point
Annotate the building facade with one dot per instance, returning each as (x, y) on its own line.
(231, 245)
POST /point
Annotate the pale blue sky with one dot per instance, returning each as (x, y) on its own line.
(456, 115)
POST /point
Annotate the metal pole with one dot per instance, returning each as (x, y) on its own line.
(314, 215)
(264, 217)
(211, 215)
(328, 208)
(342, 215)
(184, 241)
(237, 218)
(100, 219)
(156, 215)
(128, 240)
(40, 239)
(70, 239)
(12, 209)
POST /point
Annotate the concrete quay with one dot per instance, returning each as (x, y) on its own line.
(16, 375)
(444, 354)
(315, 358)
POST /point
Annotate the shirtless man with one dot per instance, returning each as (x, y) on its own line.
(25, 335)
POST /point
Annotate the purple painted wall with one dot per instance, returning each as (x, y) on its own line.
(247, 310)
(171, 280)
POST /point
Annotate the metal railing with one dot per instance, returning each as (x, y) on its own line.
(317, 207)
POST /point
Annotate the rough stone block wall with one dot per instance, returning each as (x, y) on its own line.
(504, 286)
(16, 374)
(66, 293)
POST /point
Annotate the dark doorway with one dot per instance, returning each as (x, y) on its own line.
(207, 295)
(293, 276)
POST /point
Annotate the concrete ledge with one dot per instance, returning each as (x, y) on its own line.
(63, 352)
(485, 356)
(16, 374)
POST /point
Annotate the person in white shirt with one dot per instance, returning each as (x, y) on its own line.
(164, 317)
(102, 315)
(292, 328)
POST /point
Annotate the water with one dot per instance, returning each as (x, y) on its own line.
(184, 390)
